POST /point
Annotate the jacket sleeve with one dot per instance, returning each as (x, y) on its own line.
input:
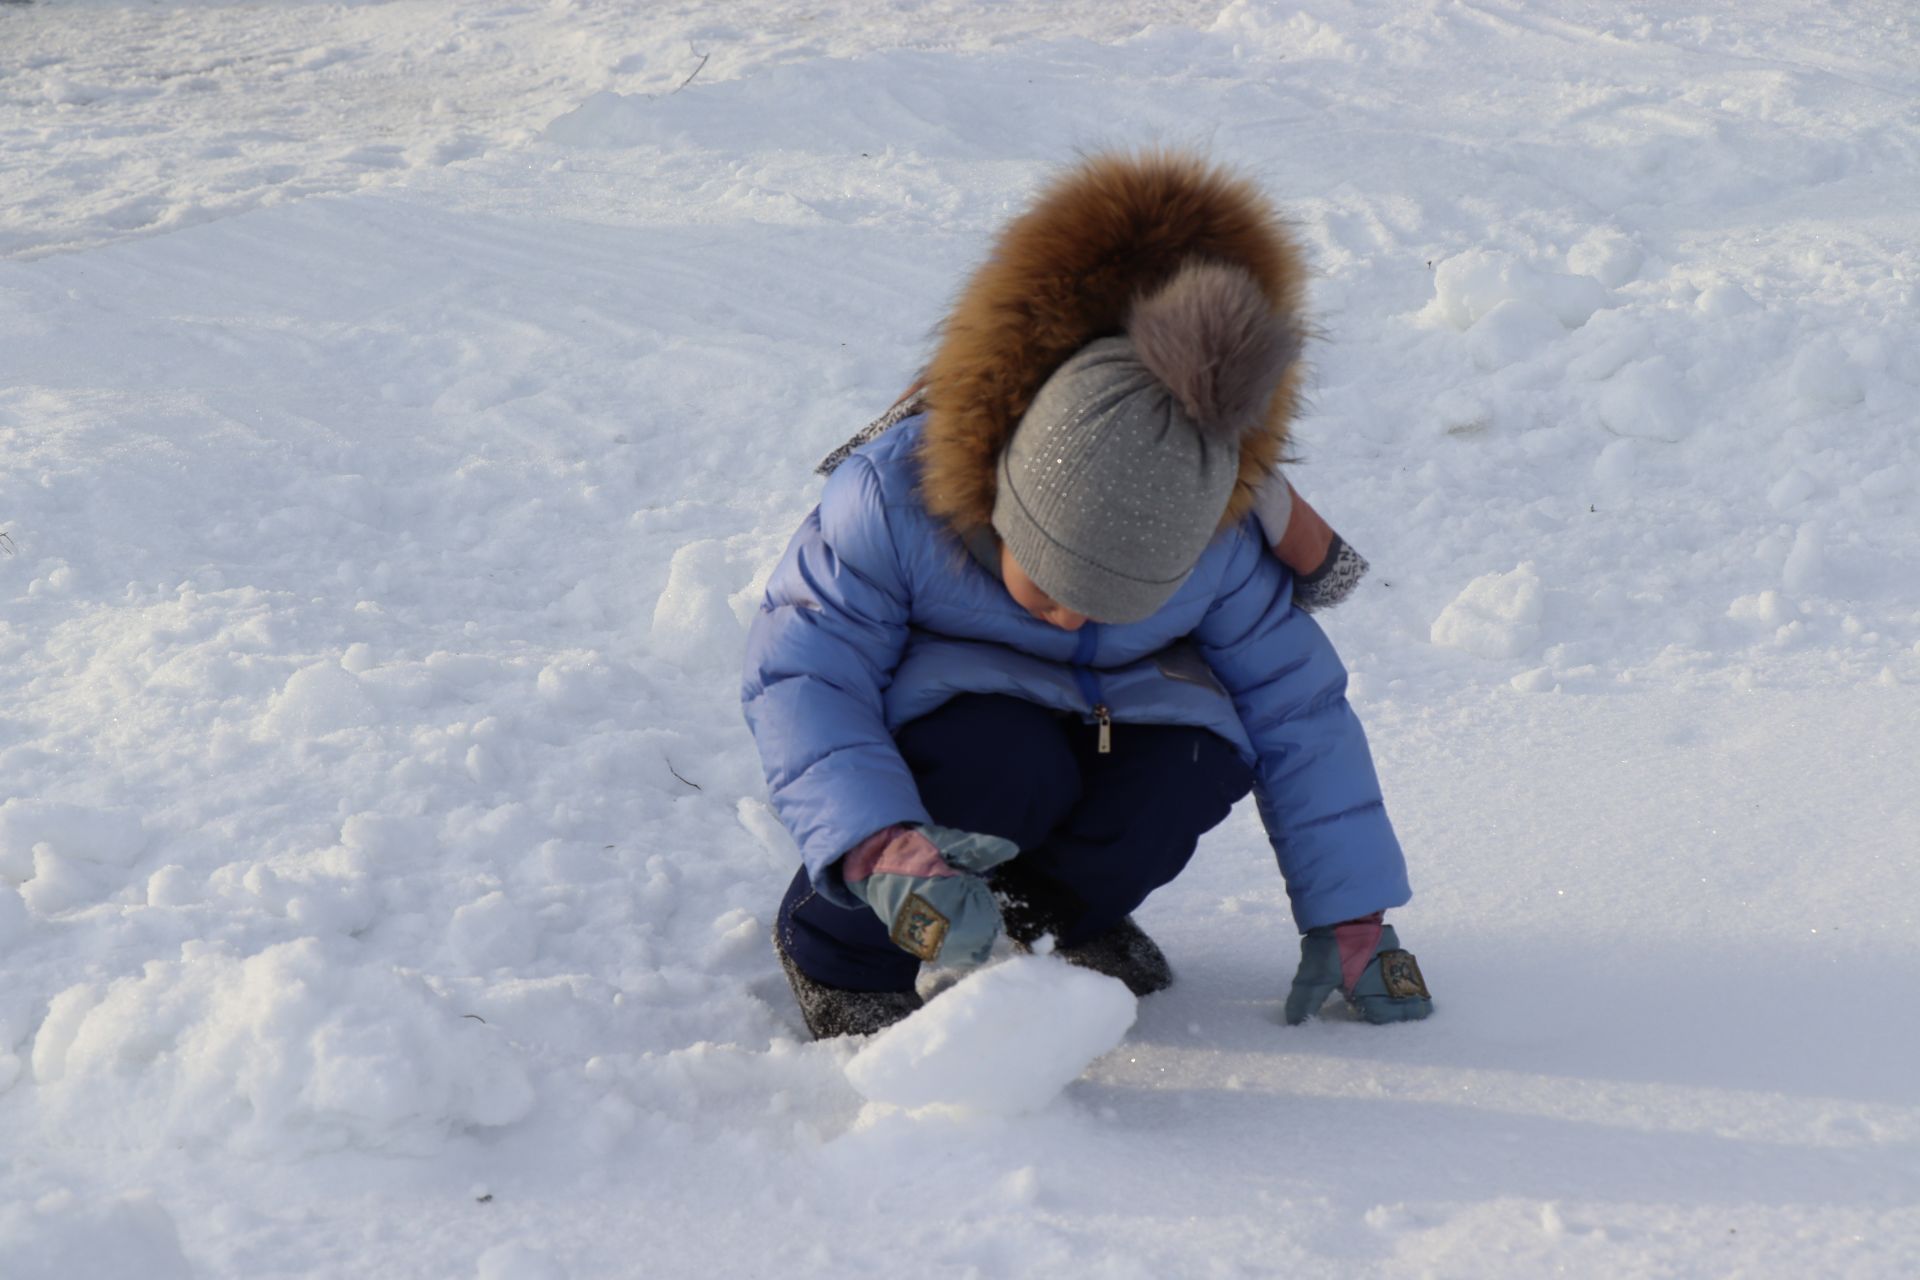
(820, 656)
(1314, 779)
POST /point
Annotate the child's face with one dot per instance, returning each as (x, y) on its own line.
(1031, 598)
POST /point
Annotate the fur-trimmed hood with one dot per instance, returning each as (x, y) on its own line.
(1069, 270)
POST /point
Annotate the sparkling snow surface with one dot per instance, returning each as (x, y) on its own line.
(400, 407)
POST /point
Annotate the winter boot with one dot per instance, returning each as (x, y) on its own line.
(833, 1011)
(1127, 953)
(1124, 951)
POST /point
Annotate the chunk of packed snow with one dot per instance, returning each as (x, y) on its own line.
(1005, 1040)
(1469, 286)
(1496, 616)
(321, 699)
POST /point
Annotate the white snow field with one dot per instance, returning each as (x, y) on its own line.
(401, 404)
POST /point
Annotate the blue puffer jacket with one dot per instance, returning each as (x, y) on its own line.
(877, 615)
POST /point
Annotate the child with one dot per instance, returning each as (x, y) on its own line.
(1325, 568)
(1031, 644)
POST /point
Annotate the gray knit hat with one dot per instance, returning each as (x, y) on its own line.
(1117, 476)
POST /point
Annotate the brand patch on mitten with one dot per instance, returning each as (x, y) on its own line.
(1401, 974)
(919, 930)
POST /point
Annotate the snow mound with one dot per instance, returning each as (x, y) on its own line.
(59, 1237)
(1470, 287)
(294, 1050)
(321, 699)
(1496, 616)
(607, 119)
(1005, 1040)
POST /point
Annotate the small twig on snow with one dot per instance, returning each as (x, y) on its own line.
(6, 543)
(676, 773)
(696, 71)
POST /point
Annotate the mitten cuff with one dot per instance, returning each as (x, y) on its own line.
(1336, 578)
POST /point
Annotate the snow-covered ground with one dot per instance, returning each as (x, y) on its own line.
(400, 404)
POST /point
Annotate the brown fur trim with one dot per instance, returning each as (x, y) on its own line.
(1069, 270)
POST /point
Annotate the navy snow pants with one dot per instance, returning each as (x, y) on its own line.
(1097, 834)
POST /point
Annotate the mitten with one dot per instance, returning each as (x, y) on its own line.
(928, 886)
(1363, 958)
(1325, 569)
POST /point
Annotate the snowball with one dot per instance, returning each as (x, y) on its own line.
(318, 700)
(295, 1050)
(1005, 1040)
(106, 837)
(518, 1262)
(1645, 400)
(61, 1238)
(1496, 616)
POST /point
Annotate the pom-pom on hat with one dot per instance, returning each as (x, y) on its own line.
(1117, 475)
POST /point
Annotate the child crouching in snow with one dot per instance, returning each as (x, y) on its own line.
(1033, 642)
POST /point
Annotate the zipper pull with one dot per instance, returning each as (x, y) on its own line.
(1104, 718)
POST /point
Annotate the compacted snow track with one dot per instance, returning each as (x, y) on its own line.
(401, 403)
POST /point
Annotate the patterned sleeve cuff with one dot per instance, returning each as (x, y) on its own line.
(1333, 581)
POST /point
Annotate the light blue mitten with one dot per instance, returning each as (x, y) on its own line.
(928, 886)
(1364, 960)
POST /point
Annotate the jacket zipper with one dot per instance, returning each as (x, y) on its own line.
(1089, 683)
